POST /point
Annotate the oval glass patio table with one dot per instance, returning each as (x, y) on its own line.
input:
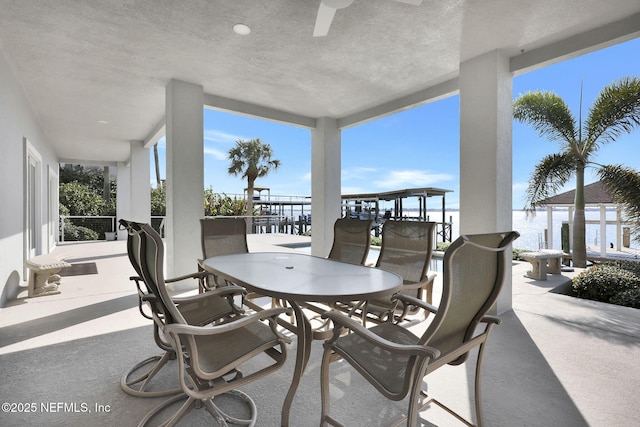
(299, 278)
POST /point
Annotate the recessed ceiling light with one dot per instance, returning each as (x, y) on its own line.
(241, 29)
(103, 122)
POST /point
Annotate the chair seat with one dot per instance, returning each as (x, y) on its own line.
(205, 311)
(247, 341)
(386, 367)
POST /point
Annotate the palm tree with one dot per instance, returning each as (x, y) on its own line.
(615, 111)
(157, 163)
(252, 160)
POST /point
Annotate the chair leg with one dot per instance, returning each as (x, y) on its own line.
(428, 288)
(324, 386)
(186, 407)
(478, 391)
(138, 386)
(414, 401)
(222, 418)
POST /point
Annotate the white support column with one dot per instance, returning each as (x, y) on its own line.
(550, 227)
(570, 221)
(486, 115)
(185, 175)
(325, 183)
(123, 196)
(603, 231)
(140, 183)
(618, 228)
(134, 197)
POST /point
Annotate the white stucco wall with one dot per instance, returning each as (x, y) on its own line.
(17, 122)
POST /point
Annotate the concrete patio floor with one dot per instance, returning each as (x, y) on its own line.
(554, 361)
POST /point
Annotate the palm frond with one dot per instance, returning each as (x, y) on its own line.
(624, 184)
(615, 111)
(549, 176)
(548, 114)
(251, 159)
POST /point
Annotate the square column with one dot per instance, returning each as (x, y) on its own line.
(123, 195)
(134, 189)
(185, 175)
(325, 183)
(486, 115)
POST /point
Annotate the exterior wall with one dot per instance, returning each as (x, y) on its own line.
(17, 122)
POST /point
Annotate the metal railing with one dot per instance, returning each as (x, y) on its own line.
(81, 228)
(282, 224)
(78, 228)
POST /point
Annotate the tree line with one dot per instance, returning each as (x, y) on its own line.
(90, 191)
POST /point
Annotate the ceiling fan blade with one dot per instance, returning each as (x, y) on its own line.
(413, 2)
(323, 21)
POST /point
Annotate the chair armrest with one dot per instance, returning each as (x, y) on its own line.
(217, 293)
(197, 275)
(341, 321)
(409, 300)
(179, 328)
(430, 277)
(491, 319)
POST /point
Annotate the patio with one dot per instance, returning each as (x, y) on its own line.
(555, 360)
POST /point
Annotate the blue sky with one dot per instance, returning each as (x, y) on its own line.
(419, 147)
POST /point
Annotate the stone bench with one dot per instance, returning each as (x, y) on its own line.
(43, 277)
(543, 262)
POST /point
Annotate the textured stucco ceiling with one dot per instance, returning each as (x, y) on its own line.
(81, 62)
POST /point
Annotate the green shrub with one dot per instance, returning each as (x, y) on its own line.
(442, 246)
(79, 200)
(376, 241)
(611, 282)
(159, 200)
(78, 233)
(517, 254)
(223, 205)
(630, 298)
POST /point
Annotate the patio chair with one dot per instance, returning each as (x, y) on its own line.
(406, 250)
(210, 357)
(139, 380)
(351, 243)
(225, 236)
(221, 236)
(395, 361)
(351, 240)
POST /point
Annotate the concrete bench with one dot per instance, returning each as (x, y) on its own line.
(43, 277)
(543, 262)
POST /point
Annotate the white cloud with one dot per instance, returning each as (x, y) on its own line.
(520, 186)
(219, 136)
(217, 154)
(411, 178)
(357, 173)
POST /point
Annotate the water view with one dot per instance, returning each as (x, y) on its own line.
(532, 229)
